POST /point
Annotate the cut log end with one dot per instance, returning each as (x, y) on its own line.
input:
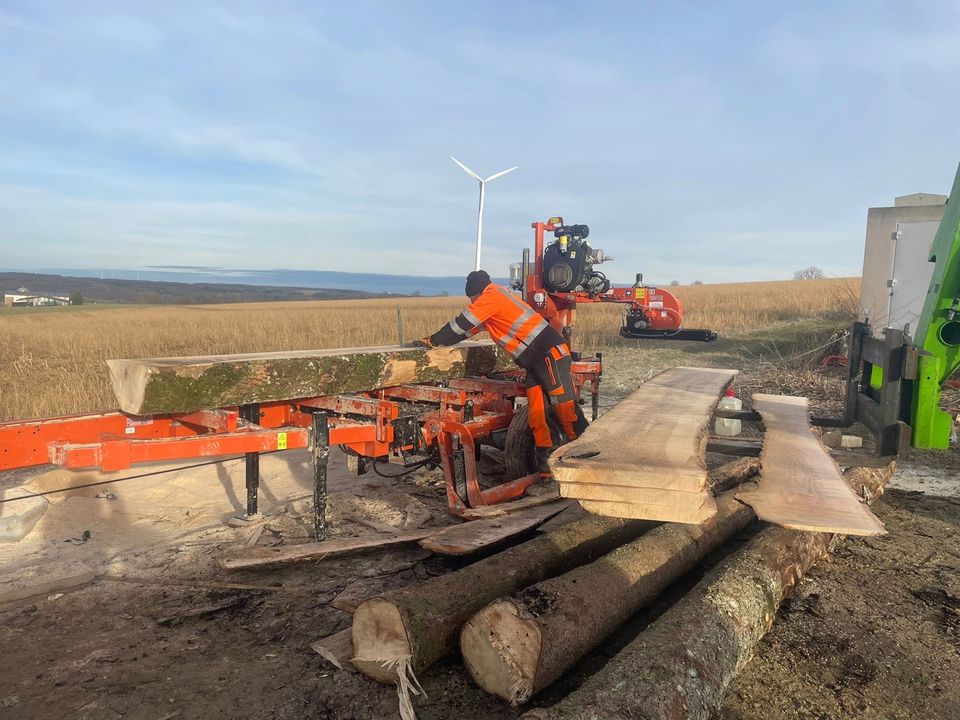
(501, 650)
(379, 639)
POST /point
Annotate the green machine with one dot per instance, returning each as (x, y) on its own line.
(894, 382)
(937, 337)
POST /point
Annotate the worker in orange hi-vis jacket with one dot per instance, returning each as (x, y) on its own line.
(534, 345)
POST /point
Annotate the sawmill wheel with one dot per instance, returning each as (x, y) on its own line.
(518, 452)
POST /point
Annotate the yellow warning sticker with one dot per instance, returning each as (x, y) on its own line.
(281, 441)
(641, 292)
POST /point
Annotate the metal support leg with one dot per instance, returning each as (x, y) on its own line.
(320, 431)
(595, 392)
(459, 470)
(251, 413)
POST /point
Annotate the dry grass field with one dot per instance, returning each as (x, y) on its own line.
(53, 358)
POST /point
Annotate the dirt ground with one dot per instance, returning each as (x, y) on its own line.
(164, 633)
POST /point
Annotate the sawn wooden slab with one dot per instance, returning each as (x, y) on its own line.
(643, 458)
(262, 557)
(471, 537)
(185, 384)
(801, 487)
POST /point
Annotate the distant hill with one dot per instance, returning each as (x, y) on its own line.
(116, 290)
(379, 283)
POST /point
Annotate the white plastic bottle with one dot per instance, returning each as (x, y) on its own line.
(728, 427)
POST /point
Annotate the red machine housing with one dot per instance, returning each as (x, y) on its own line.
(650, 312)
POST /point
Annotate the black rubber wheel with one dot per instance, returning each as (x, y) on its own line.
(518, 452)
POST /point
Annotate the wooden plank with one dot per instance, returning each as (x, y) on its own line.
(186, 384)
(264, 557)
(483, 534)
(337, 649)
(648, 446)
(639, 495)
(692, 516)
(801, 486)
(507, 508)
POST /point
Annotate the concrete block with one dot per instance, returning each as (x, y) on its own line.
(851, 441)
(17, 517)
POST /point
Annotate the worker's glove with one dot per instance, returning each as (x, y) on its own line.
(424, 343)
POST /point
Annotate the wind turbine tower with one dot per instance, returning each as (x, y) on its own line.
(482, 182)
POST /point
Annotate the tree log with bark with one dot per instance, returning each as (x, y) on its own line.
(517, 646)
(185, 384)
(411, 628)
(681, 666)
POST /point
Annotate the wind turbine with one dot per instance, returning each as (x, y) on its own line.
(483, 182)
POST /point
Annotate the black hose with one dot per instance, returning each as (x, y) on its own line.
(430, 463)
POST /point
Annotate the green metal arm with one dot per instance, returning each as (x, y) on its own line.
(938, 333)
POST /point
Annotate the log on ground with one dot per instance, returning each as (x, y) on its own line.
(186, 384)
(680, 667)
(416, 626)
(517, 646)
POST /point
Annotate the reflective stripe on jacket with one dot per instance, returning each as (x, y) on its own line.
(513, 325)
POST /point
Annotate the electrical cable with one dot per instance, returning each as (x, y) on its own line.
(129, 477)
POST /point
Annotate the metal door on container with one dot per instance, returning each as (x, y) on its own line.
(912, 271)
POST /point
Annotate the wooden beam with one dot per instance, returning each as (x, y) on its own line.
(801, 486)
(644, 457)
(186, 384)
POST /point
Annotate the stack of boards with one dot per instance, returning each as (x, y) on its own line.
(643, 458)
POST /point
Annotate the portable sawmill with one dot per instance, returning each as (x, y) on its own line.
(564, 274)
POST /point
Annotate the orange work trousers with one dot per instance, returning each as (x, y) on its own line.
(550, 380)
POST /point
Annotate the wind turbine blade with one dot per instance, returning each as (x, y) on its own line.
(467, 170)
(502, 172)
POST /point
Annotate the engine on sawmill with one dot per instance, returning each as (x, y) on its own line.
(568, 262)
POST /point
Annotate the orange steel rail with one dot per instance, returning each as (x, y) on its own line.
(407, 421)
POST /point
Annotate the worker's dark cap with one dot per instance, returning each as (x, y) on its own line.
(476, 282)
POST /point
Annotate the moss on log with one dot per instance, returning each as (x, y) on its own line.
(681, 666)
(185, 384)
(422, 623)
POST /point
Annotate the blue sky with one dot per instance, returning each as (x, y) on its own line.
(699, 140)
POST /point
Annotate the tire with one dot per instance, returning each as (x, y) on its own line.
(518, 452)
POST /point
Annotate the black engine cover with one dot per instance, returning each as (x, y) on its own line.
(564, 272)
